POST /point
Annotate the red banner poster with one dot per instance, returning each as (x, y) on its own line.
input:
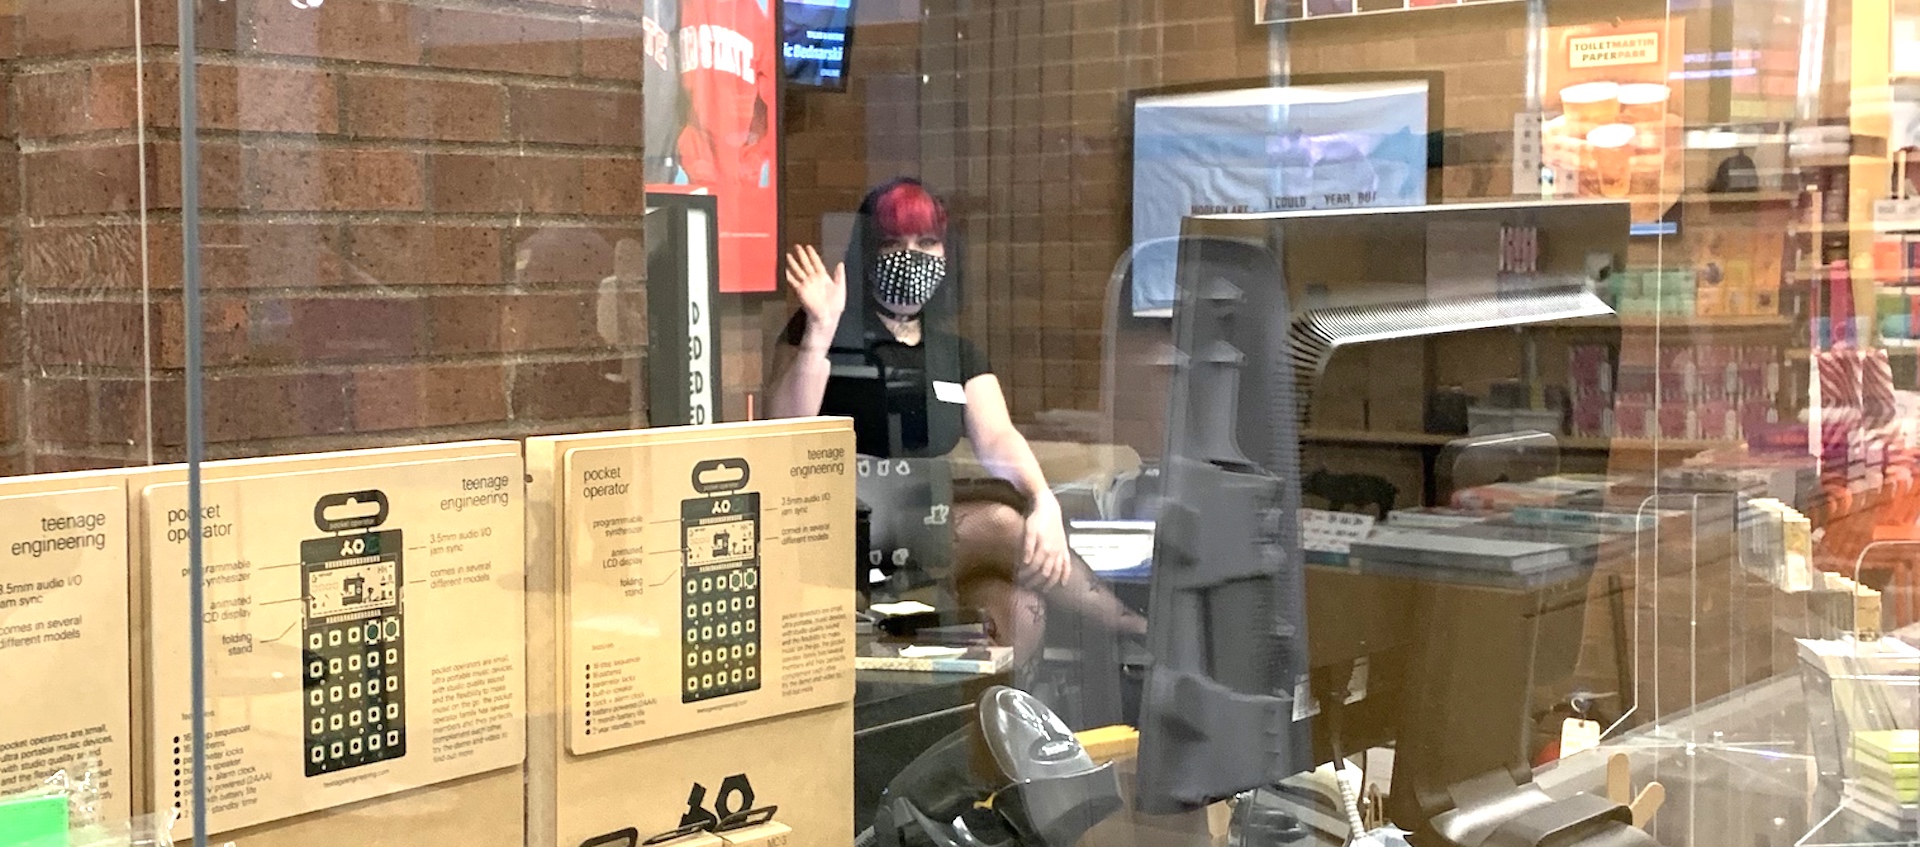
(712, 73)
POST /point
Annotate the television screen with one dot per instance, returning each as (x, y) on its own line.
(815, 43)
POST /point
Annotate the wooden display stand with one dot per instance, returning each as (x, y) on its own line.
(296, 552)
(651, 709)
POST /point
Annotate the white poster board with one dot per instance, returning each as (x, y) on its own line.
(364, 628)
(1279, 148)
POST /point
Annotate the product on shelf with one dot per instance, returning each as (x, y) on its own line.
(1713, 392)
(1886, 777)
(1438, 548)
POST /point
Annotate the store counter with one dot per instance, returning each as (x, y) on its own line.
(1738, 772)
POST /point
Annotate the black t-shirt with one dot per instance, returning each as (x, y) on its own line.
(918, 387)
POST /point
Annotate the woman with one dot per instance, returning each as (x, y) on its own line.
(1010, 545)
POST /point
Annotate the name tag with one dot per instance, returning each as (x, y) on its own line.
(949, 392)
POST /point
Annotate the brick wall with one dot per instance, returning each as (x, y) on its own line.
(1029, 109)
(423, 222)
(1022, 121)
(412, 203)
(12, 408)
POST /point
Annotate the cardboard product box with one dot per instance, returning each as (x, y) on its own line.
(650, 707)
(66, 706)
(1590, 369)
(1633, 416)
(1717, 421)
(365, 647)
(1716, 372)
(1679, 364)
(1589, 415)
(1751, 369)
(1763, 286)
(769, 834)
(1590, 384)
(1888, 254)
(1713, 295)
(1679, 419)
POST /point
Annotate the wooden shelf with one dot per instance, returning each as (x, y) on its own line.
(1579, 443)
(1711, 322)
(1815, 277)
(1822, 278)
(1852, 228)
(1642, 445)
(1392, 439)
(1746, 196)
(1823, 160)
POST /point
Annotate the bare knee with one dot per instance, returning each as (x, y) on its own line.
(988, 535)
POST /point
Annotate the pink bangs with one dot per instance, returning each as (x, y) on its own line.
(907, 210)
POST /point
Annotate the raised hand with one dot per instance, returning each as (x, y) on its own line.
(823, 295)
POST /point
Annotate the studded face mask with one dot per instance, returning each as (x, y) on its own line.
(907, 278)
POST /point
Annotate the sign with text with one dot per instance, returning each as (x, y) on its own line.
(1610, 51)
(664, 562)
(693, 593)
(1322, 531)
(65, 705)
(1613, 115)
(343, 658)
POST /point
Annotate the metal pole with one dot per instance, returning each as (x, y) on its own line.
(196, 430)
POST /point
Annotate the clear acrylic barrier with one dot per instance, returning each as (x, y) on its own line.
(1436, 387)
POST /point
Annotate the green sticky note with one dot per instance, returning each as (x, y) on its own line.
(35, 821)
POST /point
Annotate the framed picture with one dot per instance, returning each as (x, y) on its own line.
(1613, 125)
(1280, 11)
(1334, 142)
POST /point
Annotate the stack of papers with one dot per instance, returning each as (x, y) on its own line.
(882, 656)
(1887, 777)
